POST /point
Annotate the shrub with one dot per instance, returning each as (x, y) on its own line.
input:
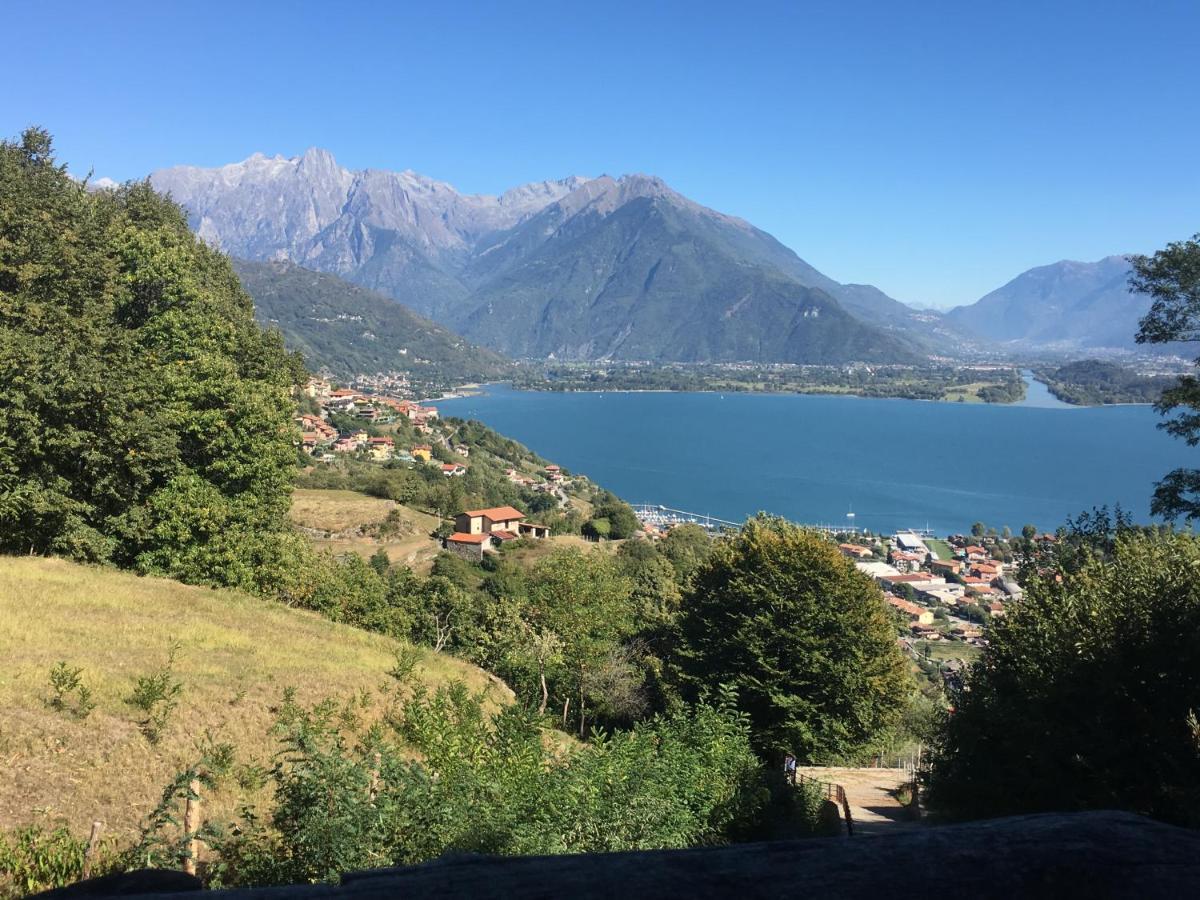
(488, 783)
(157, 696)
(1086, 695)
(33, 859)
(64, 681)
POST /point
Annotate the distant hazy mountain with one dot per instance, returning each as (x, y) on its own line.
(1065, 305)
(575, 268)
(350, 329)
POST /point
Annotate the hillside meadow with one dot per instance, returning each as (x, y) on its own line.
(236, 656)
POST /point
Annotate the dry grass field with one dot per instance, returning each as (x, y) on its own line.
(338, 512)
(237, 655)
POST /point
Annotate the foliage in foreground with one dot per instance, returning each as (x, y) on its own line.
(1087, 695)
(145, 418)
(777, 613)
(489, 784)
(1171, 277)
(34, 859)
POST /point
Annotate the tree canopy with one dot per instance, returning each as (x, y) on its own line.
(145, 418)
(779, 615)
(1086, 695)
(1171, 277)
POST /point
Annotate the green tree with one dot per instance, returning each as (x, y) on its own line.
(381, 562)
(623, 523)
(584, 599)
(686, 547)
(777, 613)
(1086, 696)
(655, 593)
(1171, 277)
(145, 418)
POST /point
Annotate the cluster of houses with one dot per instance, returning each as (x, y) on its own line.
(370, 407)
(480, 531)
(551, 474)
(319, 438)
(916, 582)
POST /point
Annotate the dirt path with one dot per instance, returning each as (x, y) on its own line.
(868, 791)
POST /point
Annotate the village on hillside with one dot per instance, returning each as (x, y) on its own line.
(377, 402)
(944, 591)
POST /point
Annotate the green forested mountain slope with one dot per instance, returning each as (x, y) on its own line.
(656, 278)
(349, 329)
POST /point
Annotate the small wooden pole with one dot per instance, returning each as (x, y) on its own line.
(191, 824)
(373, 791)
(89, 855)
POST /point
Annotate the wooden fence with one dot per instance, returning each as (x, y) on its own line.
(834, 792)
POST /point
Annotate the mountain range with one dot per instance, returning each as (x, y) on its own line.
(1066, 305)
(576, 268)
(613, 268)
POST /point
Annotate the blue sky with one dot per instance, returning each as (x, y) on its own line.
(933, 149)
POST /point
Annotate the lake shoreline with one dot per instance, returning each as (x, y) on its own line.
(811, 457)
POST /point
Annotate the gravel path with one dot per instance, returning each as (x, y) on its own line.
(872, 806)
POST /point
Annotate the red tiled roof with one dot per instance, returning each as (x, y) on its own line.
(496, 513)
(460, 538)
(903, 605)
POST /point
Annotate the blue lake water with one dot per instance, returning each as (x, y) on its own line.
(896, 463)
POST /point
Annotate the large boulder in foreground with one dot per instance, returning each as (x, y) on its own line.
(1096, 855)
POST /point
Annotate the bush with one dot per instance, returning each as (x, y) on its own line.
(64, 681)
(1086, 695)
(487, 783)
(33, 859)
(157, 696)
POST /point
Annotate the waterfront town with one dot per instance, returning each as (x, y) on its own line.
(944, 591)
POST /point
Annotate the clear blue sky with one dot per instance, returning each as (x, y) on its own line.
(935, 151)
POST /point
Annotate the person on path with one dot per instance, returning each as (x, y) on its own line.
(789, 769)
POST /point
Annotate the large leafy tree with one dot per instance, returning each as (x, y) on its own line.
(1171, 277)
(584, 599)
(144, 416)
(1087, 694)
(778, 614)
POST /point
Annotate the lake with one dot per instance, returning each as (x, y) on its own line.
(895, 463)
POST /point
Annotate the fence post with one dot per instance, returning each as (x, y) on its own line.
(89, 855)
(373, 791)
(191, 824)
(846, 811)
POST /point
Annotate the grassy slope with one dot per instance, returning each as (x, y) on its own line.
(118, 626)
(342, 511)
